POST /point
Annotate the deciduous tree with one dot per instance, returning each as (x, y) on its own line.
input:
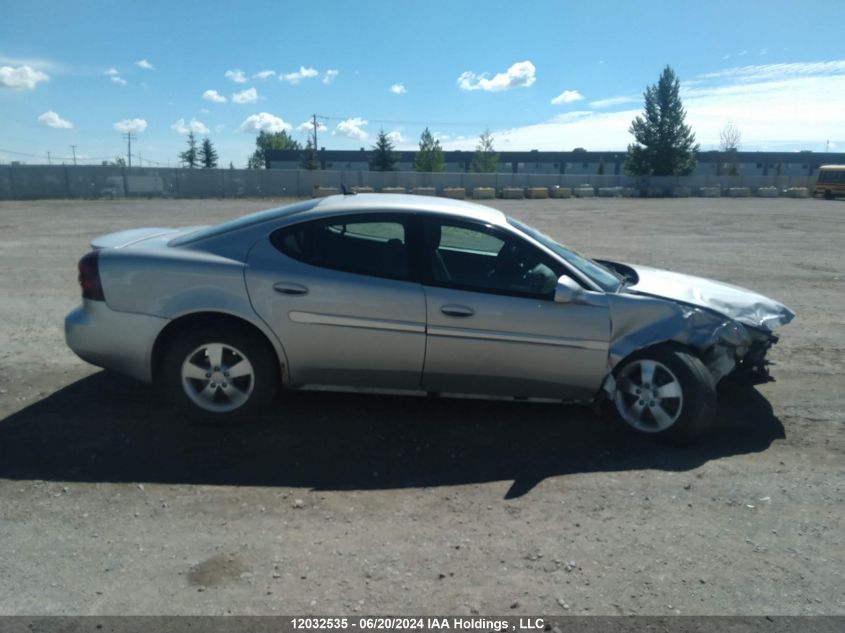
(486, 158)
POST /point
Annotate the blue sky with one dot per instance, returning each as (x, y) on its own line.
(541, 75)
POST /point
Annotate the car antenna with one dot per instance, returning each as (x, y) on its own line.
(346, 191)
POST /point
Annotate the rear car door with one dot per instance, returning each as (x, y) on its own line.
(493, 325)
(339, 294)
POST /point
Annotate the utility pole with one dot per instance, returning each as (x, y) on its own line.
(73, 147)
(129, 136)
(49, 162)
(314, 122)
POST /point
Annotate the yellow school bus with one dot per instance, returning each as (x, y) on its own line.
(831, 182)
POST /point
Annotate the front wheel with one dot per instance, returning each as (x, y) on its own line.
(666, 393)
(219, 376)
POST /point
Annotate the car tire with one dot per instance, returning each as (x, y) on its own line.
(220, 377)
(665, 393)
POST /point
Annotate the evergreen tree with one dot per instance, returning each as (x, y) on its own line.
(430, 157)
(383, 157)
(208, 155)
(266, 141)
(664, 145)
(486, 158)
(310, 160)
(190, 157)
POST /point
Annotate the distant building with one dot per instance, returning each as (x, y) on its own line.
(578, 162)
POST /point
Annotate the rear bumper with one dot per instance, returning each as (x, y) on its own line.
(119, 341)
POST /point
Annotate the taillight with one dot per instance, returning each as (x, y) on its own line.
(89, 277)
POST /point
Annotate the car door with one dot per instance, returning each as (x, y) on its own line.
(338, 293)
(493, 324)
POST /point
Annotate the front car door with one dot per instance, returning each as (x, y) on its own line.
(338, 293)
(493, 325)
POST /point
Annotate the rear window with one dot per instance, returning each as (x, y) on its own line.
(373, 246)
(243, 222)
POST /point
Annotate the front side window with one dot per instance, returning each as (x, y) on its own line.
(485, 259)
(369, 245)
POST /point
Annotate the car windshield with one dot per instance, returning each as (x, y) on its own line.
(605, 278)
(242, 222)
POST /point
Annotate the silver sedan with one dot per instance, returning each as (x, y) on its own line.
(413, 293)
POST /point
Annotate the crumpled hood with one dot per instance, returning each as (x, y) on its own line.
(740, 304)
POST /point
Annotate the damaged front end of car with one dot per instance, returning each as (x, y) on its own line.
(728, 348)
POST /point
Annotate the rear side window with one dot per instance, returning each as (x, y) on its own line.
(369, 245)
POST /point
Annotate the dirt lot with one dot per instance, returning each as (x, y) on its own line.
(343, 503)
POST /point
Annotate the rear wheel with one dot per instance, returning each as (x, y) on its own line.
(665, 392)
(220, 376)
(828, 194)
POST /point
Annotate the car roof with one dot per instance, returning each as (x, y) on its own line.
(401, 202)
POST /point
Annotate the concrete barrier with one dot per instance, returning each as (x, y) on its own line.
(710, 192)
(630, 192)
(739, 192)
(362, 189)
(681, 192)
(584, 191)
(560, 192)
(457, 193)
(767, 192)
(513, 193)
(424, 191)
(536, 192)
(322, 192)
(483, 193)
(655, 192)
(393, 190)
(798, 192)
(610, 192)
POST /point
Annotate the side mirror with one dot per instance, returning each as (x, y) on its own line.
(567, 290)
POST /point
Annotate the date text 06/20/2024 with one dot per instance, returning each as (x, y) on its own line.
(417, 624)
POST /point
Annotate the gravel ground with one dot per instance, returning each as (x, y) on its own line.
(350, 502)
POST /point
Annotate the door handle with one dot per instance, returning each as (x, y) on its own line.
(288, 288)
(457, 311)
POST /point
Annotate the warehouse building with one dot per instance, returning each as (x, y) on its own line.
(577, 162)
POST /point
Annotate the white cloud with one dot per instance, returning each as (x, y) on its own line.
(519, 75)
(143, 63)
(308, 126)
(118, 80)
(302, 73)
(783, 106)
(614, 101)
(330, 76)
(51, 119)
(130, 125)
(197, 127)
(112, 72)
(567, 96)
(762, 72)
(398, 89)
(396, 137)
(351, 128)
(250, 95)
(21, 78)
(213, 96)
(264, 74)
(219, 127)
(235, 75)
(264, 122)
